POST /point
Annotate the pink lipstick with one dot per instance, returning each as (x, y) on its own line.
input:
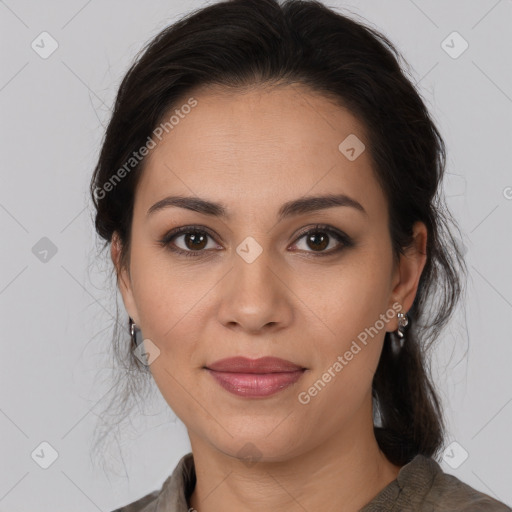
(255, 377)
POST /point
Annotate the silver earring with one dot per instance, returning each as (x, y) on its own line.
(135, 334)
(402, 324)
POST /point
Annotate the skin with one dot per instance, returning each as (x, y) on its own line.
(253, 151)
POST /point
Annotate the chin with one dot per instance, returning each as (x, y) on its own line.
(259, 448)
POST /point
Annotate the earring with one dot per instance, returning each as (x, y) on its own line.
(135, 333)
(402, 324)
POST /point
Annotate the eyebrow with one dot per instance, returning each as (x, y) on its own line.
(289, 209)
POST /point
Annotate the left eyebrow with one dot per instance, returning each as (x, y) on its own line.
(289, 209)
(315, 203)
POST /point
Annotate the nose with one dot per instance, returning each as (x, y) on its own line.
(255, 297)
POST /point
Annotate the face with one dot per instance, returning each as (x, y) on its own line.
(316, 287)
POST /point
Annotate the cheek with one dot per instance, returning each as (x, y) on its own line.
(164, 289)
(351, 303)
(347, 354)
(349, 299)
(171, 311)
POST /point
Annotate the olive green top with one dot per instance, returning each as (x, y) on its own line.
(420, 486)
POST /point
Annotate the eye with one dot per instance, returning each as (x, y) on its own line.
(322, 237)
(192, 241)
(188, 241)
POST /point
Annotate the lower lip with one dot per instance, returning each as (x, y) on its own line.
(255, 384)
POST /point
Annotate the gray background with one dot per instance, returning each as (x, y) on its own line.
(57, 314)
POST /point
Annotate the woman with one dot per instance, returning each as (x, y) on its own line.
(269, 185)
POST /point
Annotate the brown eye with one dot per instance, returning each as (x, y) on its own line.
(188, 241)
(195, 241)
(318, 239)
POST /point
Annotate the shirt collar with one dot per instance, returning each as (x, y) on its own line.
(178, 488)
(413, 479)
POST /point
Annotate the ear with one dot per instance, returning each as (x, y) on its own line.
(408, 271)
(123, 278)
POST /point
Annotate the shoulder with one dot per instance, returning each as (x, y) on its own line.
(421, 485)
(447, 493)
(145, 504)
(174, 493)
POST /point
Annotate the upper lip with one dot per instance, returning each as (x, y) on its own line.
(261, 365)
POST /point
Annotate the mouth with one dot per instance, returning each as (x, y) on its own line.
(255, 377)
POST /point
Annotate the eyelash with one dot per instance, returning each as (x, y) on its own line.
(345, 240)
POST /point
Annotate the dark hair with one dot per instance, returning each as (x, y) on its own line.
(246, 43)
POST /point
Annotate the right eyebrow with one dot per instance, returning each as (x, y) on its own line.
(195, 204)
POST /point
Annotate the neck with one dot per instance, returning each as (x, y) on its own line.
(343, 473)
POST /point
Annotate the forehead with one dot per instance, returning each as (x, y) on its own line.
(258, 144)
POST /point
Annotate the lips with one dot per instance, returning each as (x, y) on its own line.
(255, 377)
(261, 365)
